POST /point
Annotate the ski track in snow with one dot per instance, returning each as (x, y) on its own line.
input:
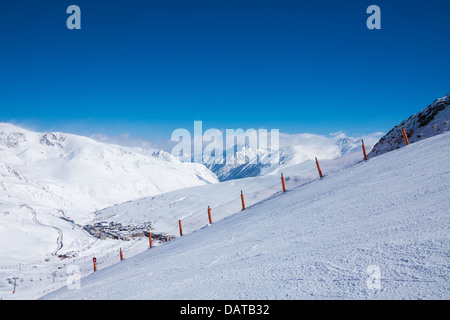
(59, 239)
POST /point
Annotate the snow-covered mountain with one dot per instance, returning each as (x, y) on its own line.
(51, 183)
(48, 176)
(190, 204)
(377, 229)
(432, 120)
(80, 175)
(294, 149)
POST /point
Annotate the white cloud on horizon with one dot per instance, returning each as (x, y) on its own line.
(286, 139)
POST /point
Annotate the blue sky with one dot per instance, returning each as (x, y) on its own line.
(150, 67)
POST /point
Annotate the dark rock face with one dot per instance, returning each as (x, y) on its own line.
(426, 116)
(12, 140)
(49, 139)
(432, 120)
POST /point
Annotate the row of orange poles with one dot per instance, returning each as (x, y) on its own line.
(405, 136)
(94, 260)
(150, 240)
(283, 185)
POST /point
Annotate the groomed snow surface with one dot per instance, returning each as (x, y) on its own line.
(375, 230)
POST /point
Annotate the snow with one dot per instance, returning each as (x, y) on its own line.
(190, 204)
(294, 149)
(320, 240)
(81, 175)
(47, 176)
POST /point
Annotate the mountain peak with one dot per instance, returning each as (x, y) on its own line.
(428, 122)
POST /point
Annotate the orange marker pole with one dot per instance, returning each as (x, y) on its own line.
(94, 260)
(209, 215)
(318, 168)
(121, 254)
(283, 183)
(405, 136)
(242, 200)
(150, 239)
(364, 150)
(181, 229)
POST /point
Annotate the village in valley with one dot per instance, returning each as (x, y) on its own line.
(114, 230)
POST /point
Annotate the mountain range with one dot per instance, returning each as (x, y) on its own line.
(294, 149)
(80, 175)
(46, 176)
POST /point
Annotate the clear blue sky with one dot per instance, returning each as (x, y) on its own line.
(148, 67)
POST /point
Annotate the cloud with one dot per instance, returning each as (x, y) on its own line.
(305, 140)
(126, 140)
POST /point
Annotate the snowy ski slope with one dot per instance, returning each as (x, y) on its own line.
(325, 239)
